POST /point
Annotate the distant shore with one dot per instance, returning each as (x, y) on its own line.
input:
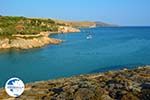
(133, 84)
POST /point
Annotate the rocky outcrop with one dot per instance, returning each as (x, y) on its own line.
(34, 41)
(26, 42)
(119, 85)
(66, 29)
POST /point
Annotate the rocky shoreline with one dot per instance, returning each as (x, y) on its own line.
(113, 85)
(22, 43)
(33, 41)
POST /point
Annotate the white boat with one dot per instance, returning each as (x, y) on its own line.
(89, 37)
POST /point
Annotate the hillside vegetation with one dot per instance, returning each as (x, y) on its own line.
(27, 33)
(10, 25)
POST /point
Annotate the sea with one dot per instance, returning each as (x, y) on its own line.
(108, 48)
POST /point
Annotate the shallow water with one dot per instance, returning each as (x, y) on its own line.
(109, 49)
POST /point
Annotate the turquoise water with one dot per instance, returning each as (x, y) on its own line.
(109, 49)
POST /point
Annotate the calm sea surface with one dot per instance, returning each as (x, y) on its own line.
(109, 49)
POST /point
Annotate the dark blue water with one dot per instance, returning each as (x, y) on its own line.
(109, 49)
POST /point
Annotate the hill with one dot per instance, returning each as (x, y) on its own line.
(10, 25)
(21, 25)
(102, 24)
(82, 24)
(26, 33)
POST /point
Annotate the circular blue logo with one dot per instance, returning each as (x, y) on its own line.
(14, 87)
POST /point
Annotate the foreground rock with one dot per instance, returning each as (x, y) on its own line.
(119, 85)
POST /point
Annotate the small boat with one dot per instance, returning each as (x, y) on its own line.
(89, 37)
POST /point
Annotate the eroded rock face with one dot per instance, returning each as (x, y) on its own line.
(22, 43)
(119, 85)
(4, 43)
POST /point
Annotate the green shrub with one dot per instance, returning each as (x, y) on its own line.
(10, 25)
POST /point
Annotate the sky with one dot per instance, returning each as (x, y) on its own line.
(120, 12)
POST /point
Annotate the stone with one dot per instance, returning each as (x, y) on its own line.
(145, 94)
(106, 97)
(84, 94)
(114, 86)
(129, 96)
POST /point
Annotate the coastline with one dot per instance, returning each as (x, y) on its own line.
(19, 41)
(123, 84)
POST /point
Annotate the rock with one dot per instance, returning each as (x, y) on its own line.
(145, 94)
(120, 85)
(106, 97)
(66, 29)
(84, 94)
(71, 89)
(5, 46)
(57, 90)
(22, 43)
(129, 96)
(145, 85)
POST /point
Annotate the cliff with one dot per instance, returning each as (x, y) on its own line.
(113, 85)
(27, 41)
